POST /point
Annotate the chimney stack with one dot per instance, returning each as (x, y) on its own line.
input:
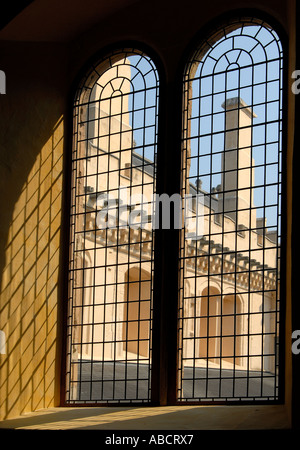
(237, 164)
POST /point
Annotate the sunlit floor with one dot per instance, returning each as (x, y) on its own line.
(259, 417)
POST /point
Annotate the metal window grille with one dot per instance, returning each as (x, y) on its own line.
(229, 292)
(109, 321)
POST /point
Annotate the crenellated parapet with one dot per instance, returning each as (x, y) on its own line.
(203, 256)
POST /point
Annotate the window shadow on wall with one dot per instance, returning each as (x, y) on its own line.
(30, 283)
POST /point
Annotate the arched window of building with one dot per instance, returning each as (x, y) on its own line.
(113, 183)
(232, 148)
(127, 341)
(137, 313)
(209, 342)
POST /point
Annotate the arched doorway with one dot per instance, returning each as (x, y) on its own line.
(209, 343)
(137, 313)
(231, 329)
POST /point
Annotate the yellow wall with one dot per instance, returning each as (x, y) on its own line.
(29, 287)
(31, 156)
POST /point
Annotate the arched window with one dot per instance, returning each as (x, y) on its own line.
(204, 324)
(113, 183)
(232, 168)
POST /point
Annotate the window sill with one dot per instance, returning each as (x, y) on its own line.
(256, 417)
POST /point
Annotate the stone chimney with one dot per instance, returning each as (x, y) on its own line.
(236, 195)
